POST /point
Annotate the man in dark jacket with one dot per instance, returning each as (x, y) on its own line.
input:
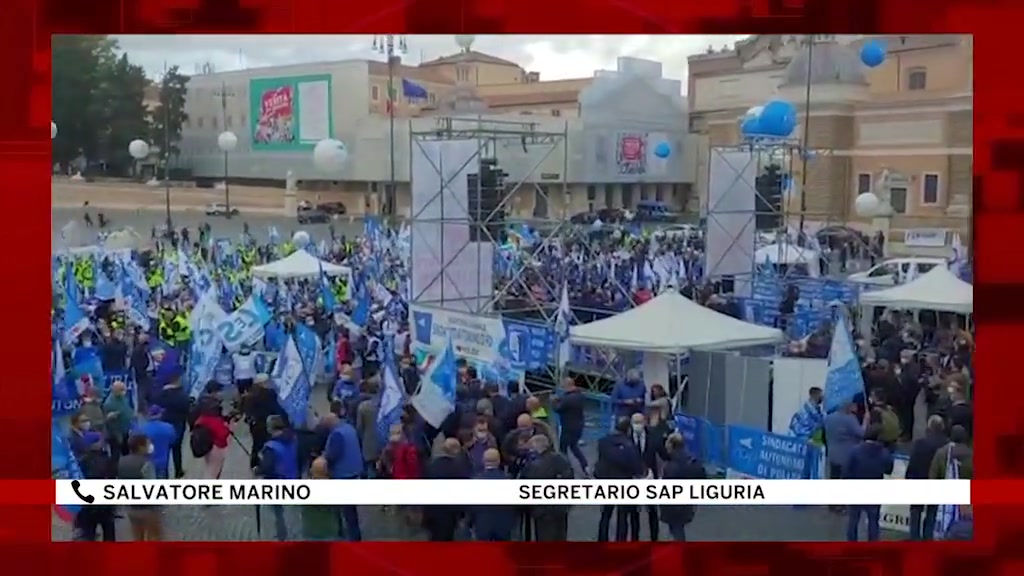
(617, 459)
(650, 444)
(922, 518)
(95, 465)
(261, 403)
(493, 523)
(176, 406)
(551, 522)
(442, 521)
(569, 406)
(680, 466)
(140, 366)
(870, 460)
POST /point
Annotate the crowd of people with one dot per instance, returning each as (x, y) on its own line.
(495, 431)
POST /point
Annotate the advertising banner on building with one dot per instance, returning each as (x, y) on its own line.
(291, 113)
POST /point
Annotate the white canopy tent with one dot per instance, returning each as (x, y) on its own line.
(938, 289)
(672, 324)
(300, 264)
(788, 254)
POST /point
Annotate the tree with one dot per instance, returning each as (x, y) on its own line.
(79, 62)
(122, 116)
(169, 115)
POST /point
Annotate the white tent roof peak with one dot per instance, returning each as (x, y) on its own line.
(672, 324)
(299, 264)
(938, 289)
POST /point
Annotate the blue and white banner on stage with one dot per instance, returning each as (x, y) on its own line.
(507, 346)
(756, 454)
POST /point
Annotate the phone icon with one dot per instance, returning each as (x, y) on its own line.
(75, 485)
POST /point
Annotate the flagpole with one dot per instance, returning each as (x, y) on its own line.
(392, 46)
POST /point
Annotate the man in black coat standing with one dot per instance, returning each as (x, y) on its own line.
(441, 522)
(551, 521)
(650, 445)
(681, 466)
(569, 407)
(617, 459)
(922, 452)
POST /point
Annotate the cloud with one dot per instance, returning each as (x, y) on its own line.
(554, 56)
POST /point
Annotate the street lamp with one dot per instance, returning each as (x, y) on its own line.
(867, 205)
(227, 141)
(329, 156)
(138, 149)
(391, 46)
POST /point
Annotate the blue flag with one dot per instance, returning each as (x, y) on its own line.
(445, 372)
(63, 466)
(75, 320)
(361, 315)
(413, 91)
(292, 385)
(392, 395)
(844, 380)
(326, 294)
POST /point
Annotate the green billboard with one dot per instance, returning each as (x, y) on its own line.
(291, 113)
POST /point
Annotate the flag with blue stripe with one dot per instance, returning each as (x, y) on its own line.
(292, 384)
(948, 514)
(562, 325)
(844, 380)
(75, 320)
(63, 466)
(392, 395)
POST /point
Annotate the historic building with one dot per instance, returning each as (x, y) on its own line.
(907, 123)
(278, 114)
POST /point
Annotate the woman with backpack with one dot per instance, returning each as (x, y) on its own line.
(209, 439)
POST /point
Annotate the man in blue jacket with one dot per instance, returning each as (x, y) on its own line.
(345, 460)
(162, 436)
(869, 460)
(279, 460)
(628, 396)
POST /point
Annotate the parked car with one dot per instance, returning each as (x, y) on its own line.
(652, 211)
(890, 272)
(332, 207)
(217, 209)
(313, 216)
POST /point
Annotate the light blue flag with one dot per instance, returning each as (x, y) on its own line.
(392, 395)
(75, 320)
(309, 346)
(106, 287)
(445, 374)
(948, 514)
(361, 315)
(562, 323)
(326, 294)
(289, 378)
(206, 344)
(63, 466)
(844, 380)
(244, 326)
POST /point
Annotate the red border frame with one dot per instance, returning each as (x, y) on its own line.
(24, 166)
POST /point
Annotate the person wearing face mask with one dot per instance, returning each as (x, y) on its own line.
(492, 523)
(442, 522)
(650, 445)
(244, 369)
(136, 465)
(551, 522)
(92, 409)
(479, 444)
(628, 396)
(80, 425)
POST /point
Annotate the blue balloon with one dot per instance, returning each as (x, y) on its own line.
(662, 150)
(872, 53)
(778, 119)
(751, 126)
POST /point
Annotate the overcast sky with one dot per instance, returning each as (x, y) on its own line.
(554, 56)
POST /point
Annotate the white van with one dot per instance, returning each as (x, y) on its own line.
(891, 272)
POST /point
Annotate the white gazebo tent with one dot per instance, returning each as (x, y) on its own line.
(672, 324)
(938, 289)
(300, 264)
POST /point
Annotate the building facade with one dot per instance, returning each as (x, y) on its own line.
(909, 119)
(278, 115)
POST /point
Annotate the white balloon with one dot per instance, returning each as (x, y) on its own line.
(866, 205)
(138, 149)
(227, 141)
(755, 111)
(329, 155)
(300, 239)
(53, 130)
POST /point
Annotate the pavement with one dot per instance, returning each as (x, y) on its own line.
(238, 523)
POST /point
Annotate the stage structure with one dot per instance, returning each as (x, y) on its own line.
(470, 268)
(754, 205)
